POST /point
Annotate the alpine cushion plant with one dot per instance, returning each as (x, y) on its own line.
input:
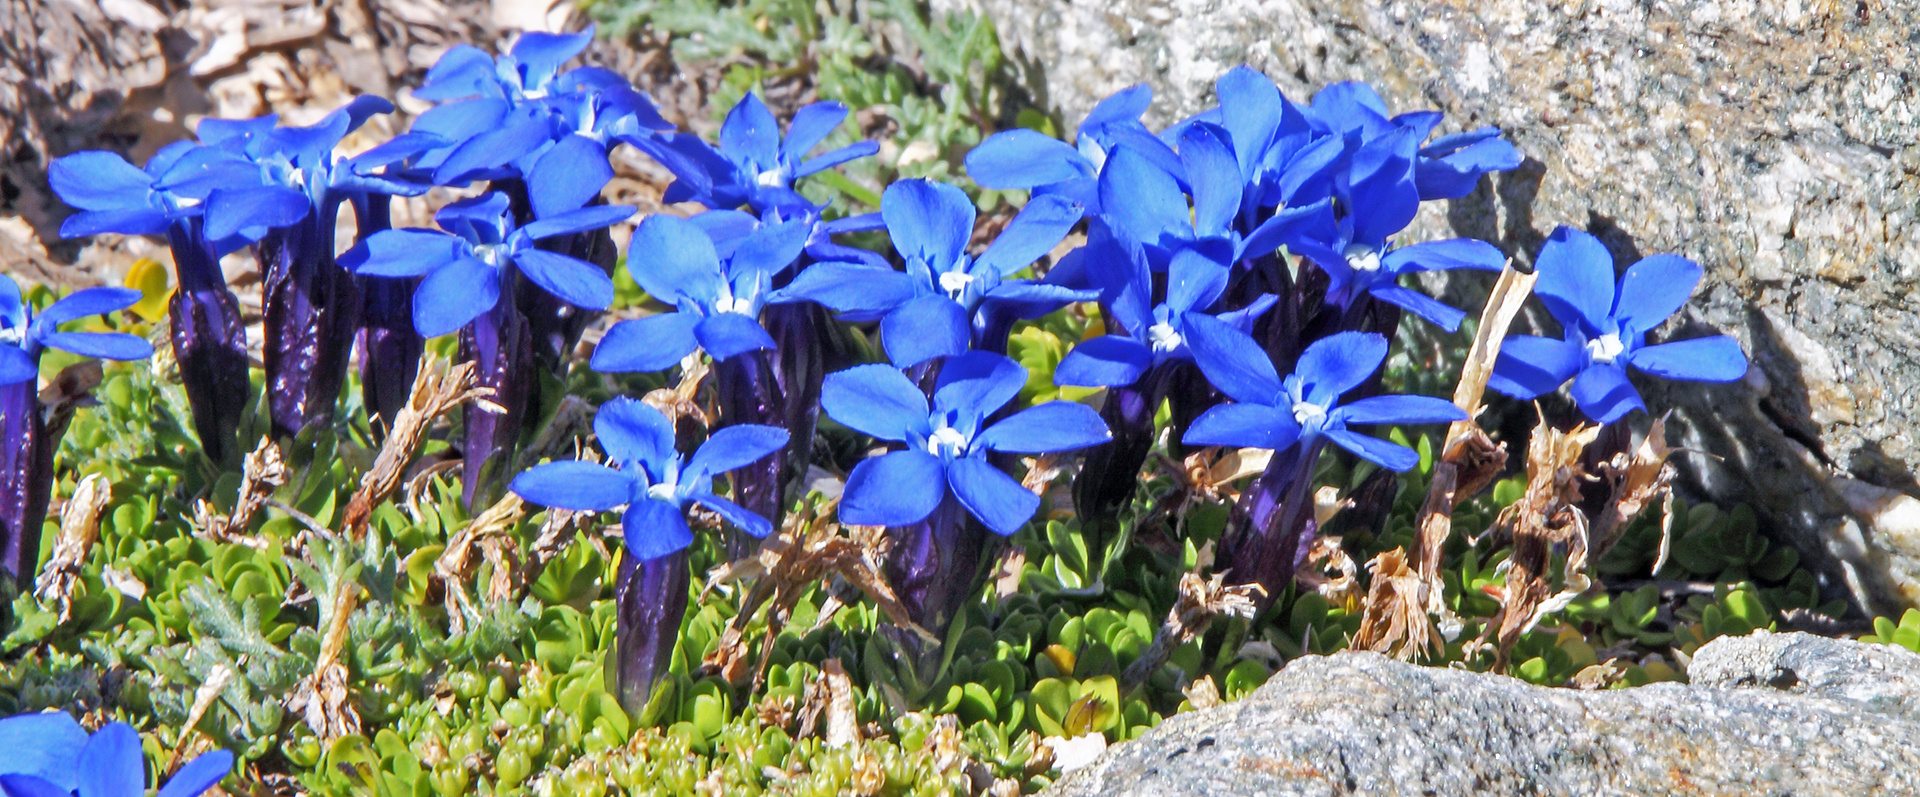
(754, 166)
(655, 483)
(50, 755)
(1294, 417)
(27, 441)
(945, 301)
(1605, 325)
(939, 471)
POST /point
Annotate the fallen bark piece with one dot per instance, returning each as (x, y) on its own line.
(1770, 714)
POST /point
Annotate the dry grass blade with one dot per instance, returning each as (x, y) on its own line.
(1635, 480)
(1547, 514)
(1331, 572)
(79, 530)
(203, 698)
(1396, 621)
(436, 390)
(487, 535)
(843, 722)
(262, 472)
(323, 699)
(1197, 602)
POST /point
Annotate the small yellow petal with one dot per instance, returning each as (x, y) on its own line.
(150, 279)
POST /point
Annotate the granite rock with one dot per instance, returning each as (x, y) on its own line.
(1772, 714)
(1771, 140)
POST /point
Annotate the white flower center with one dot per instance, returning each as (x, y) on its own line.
(1605, 349)
(946, 440)
(491, 254)
(1306, 412)
(955, 283)
(734, 304)
(1361, 257)
(1164, 337)
(13, 336)
(772, 178)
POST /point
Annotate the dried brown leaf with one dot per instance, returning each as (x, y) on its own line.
(437, 389)
(1396, 621)
(79, 530)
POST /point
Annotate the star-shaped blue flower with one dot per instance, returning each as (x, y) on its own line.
(464, 265)
(23, 334)
(50, 755)
(754, 166)
(1605, 328)
(928, 311)
(945, 445)
(1023, 159)
(646, 473)
(718, 298)
(1447, 168)
(1273, 413)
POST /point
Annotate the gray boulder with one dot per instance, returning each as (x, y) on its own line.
(1771, 714)
(1774, 142)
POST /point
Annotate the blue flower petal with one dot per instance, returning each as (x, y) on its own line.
(573, 221)
(1604, 394)
(1141, 198)
(1392, 456)
(86, 302)
(1232, 361)
(734, 447)
(672, 260)
(402, 253)
(1104, 361)
(729, 335)
(924, 328)
(828, 160)
(927, 220)
(105, 345)
(42, 745)
(645, 345)
(893, 489)
(1046, 428)
(1530, 366)
(1125, 105)
(1384, 196)
(1714, 359)
(567, 175)
(541, 54)
(991, 495)
(1036, 230)
(231, 210)
(1215, 177)
(976, 384)
(654, 529)
(847, 287)
(111, 764)
(454, 295)
(130, 221)
(574, 484)
(198, 775)
(743, 519)
(575, 281)
(1444, 255)
(458, 121)
(462, 71)
(31, 786)
(1194, 281)
(876, 400)
(1338, 363)
(768, 250)
(16, 366)
(1576, 280)
(1291, 227)
(1398, 409)
(631, 431)
(1250, 108)
(516, 135)
(1654, 289)
(1243, 425)
(1025, 159)
(1440, 314)
(751, 133)
(99, 180)
(811, 124)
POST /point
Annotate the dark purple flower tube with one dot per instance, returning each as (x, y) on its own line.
(502, 349)
(1271, 523)
(312, 312)
(26, 477)
(388, 345)
(1110, 472)
(556, 326)
(932, 562)
(652, 598)
(209, 343)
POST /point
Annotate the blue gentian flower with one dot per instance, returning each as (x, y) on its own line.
(929, 311)
(113, 195)
(463, 266)
(1283, 160)
(523, 72)
(1377, 198)
(1023, 159)
(1605, 328)
(1446, 168)
(650, 477)
(1273, 413)
(719, 301)
(1145, 335)
(754, 166)
(946, 444)
(23, 333)
(49, 755)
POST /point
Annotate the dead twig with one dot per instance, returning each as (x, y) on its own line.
(1197, 603)
(262, 472)
(79, 530)
(436, 390)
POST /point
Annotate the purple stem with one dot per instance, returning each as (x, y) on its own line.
(209, 343)
(312, 310)
(652, 599)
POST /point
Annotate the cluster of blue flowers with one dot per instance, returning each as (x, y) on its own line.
(1252, 240)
